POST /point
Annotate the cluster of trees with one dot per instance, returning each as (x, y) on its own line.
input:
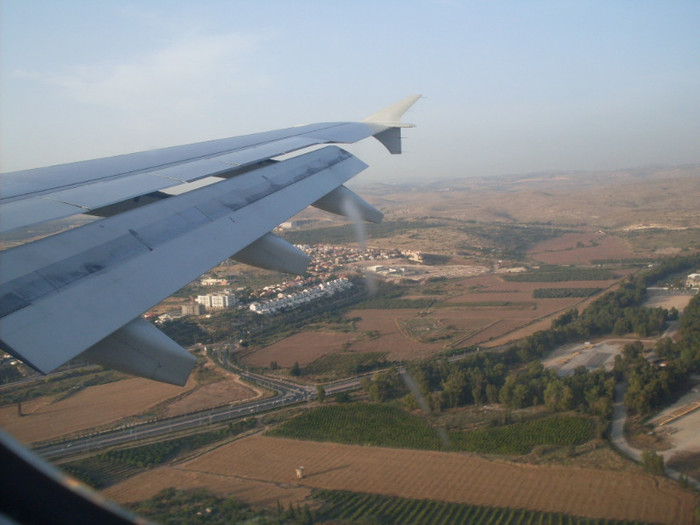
(505, 240)
(651, 385)
(486, 378)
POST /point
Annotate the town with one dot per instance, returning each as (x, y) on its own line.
(328, 274)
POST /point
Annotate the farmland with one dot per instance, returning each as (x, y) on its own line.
(261, 470)
(102, 405)
(460, 313)
(302, 348)
(584, 247)
(47, 418)
(344, 505)
(387, 426)
(331, 506)
(521, 438)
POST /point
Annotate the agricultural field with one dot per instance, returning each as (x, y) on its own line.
(260, 470)
(333, 506)
(99, 406)
(422, 320)
(302, 348)
(521, 438)
(582, 248)
(351, 506)
(388, 426)
(344, 364)
(390, 337)
(362, 424)
(49, 417)
(112, 466)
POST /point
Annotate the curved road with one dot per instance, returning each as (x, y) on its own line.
(617, 434)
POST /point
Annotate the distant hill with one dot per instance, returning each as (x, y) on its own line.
(664, 197)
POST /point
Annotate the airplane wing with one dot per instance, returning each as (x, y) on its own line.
(165, 217)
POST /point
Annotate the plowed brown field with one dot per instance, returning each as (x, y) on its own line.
(98, 405)
(302, 348)
(261, 470)
(47, 418)
(398, 345)
(567, 250)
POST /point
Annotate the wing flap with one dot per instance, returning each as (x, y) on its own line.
(92, 293)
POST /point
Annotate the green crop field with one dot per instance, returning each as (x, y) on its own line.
(361, 424)
(521, 438)
(343, 364)
(384, 425)
(354, 507)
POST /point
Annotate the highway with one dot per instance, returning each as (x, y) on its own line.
(287, 394)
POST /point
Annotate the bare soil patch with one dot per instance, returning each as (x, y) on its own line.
(303, 348)
(93, 407)
(679, 302)
(687, 463)
(261, 493)
(229, 390)
(267, 466)
(392, 339)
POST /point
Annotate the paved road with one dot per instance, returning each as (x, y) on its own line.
(617, 430)
(287, 393)
(617, 435)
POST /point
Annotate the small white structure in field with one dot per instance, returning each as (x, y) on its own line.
(300, 472)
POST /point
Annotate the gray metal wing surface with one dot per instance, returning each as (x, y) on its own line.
(82, 291)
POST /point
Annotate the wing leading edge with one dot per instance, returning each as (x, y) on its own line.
(81, 292)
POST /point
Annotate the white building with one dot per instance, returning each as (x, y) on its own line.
(307, 295)
(213, 301)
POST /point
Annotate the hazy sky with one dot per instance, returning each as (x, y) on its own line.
(510, 87)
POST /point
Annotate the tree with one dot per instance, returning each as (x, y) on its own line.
(384, 386)
(296, 369)
(321, 393)
(455, 388)
(342, 397)
(653, 463)
(491, 394)
(558, 396)
(521, 394)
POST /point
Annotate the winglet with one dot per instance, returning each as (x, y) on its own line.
(391, 115)
(389, 119)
